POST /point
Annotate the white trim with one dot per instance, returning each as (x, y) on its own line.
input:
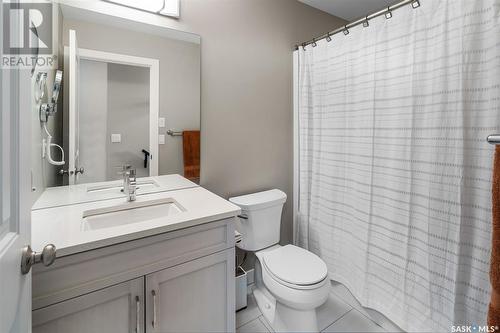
(72, 103)
(117, 58)
(154, 92)
(295, 201)
(175, 13)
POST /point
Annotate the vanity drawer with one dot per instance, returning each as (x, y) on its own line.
(78, 274)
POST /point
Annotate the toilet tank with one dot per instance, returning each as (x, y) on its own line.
(260, 219)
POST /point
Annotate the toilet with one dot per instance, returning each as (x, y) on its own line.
(291, 283)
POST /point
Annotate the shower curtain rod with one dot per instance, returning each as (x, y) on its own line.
(493, 139)
(345, 28)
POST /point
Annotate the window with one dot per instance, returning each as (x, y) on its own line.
(162, 7)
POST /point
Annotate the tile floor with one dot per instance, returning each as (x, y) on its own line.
(341, 313)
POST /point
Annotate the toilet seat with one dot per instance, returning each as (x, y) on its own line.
(295, 267)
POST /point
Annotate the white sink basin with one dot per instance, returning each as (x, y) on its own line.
(117, 187)
(128, 213)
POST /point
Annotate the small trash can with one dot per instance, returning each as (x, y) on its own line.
(241, 288)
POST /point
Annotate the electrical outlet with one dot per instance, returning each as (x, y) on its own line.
(161, 122)
(116, 138)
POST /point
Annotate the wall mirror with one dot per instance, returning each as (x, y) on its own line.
(130, 97)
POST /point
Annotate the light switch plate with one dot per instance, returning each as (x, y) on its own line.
(116, 138)
(161, 139)
(161, 122)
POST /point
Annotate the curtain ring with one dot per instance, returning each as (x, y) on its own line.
(365, 23)
(388, 14)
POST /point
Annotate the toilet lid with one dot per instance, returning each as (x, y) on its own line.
(295, 265)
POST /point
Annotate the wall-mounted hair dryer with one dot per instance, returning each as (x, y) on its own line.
(47, 110)
(46, 149)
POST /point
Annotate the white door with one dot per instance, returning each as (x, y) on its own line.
(15, 187)
(116, 309)
(73, 114)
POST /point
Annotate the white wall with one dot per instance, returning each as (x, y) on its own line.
(44, 174)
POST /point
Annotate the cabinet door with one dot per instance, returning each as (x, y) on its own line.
(197, 296)
(119, 308)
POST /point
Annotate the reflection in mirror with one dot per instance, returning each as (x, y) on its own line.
(130, 97)
(114, 104)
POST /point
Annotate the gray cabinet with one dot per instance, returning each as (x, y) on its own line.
(116, 309)
(197, 296)
(190, 271)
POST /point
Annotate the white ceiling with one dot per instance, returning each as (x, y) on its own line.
(349, 9)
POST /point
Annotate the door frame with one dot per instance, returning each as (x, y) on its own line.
(154, 91)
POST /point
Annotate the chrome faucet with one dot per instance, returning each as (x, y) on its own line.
(129, 182)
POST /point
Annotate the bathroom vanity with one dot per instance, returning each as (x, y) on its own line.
(163, 263)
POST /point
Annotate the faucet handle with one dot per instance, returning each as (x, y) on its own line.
(123, 169)
(132, 173)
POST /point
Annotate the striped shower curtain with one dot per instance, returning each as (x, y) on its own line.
(394, 169)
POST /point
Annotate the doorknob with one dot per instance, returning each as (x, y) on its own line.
(68, 172)
(30, 257)
(80, 170)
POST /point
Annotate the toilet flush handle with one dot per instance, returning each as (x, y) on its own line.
(244, 217)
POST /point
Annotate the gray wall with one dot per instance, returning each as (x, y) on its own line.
(128, 115)
(179, 78)
(114, 99)
(93, 107)
(246, 82)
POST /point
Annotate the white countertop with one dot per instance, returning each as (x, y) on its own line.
(72, 194)
(63, 225)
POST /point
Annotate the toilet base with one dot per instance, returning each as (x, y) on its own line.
(283, 318)
(266, 303)
(287, 319)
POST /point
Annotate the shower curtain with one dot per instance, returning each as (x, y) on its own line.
(394, 169)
